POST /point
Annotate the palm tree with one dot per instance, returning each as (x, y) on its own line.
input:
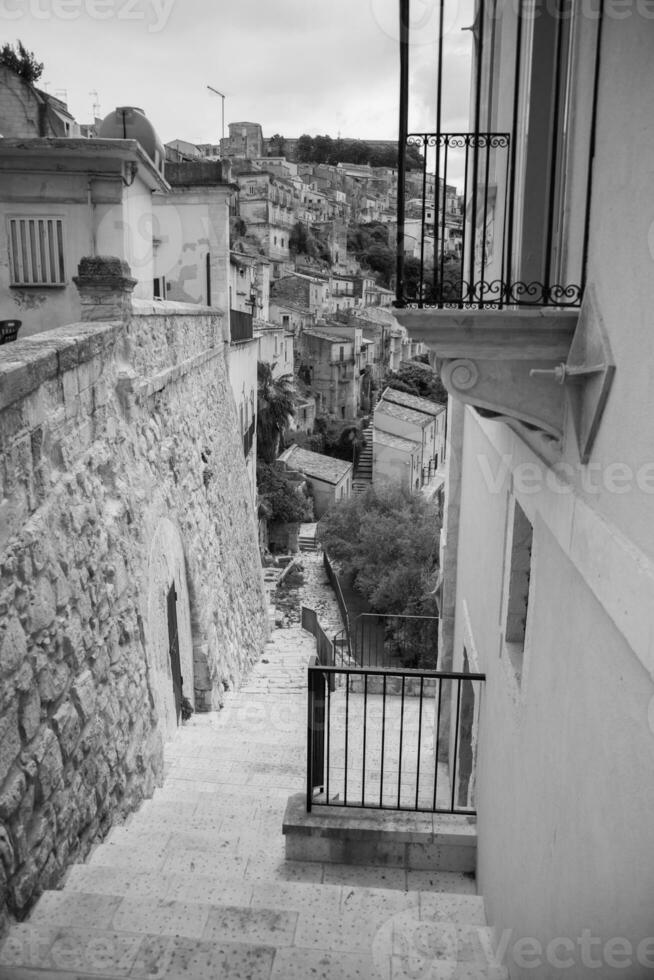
(275, 407)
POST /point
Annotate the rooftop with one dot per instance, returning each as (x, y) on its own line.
(316, 465)
(79, 155)
(401, 412)
(395, 442)
(412, 401)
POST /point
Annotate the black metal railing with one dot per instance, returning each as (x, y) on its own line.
(429, 471)
(324, 646)
(462, 250)
(338, 592)
(389, 641)
(479, 199)
(240, 326)
(392, 739)
(9, 330)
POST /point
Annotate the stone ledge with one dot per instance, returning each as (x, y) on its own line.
(26, 364)
(162, 379)
(148, 307)
(415, 841)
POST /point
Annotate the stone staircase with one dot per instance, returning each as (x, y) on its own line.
(363, 474)
(307, 537)
(196, 884)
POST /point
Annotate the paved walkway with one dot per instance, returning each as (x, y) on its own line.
(196, 885)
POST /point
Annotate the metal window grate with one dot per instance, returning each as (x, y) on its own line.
(36, 251)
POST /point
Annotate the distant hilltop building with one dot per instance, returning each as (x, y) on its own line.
(245, 140)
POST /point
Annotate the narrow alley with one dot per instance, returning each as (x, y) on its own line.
(196, 885)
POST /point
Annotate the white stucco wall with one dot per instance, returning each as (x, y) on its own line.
(242, 371)
(167, 566)
(563, 788)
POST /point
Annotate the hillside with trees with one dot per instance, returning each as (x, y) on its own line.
(324, 149)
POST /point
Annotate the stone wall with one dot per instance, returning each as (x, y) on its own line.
(122, 475)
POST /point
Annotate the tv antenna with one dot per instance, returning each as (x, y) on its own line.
(96, 104)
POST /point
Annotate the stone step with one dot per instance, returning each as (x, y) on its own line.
(108, 935)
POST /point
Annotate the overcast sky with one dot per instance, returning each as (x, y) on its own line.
(295, 66)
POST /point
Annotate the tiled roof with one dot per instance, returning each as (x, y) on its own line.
(315, 464)
(395, 442)
(412, 401)
(401, 412)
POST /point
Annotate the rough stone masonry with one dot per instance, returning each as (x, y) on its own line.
(121, 478)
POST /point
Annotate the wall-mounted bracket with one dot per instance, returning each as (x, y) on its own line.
(528, 366)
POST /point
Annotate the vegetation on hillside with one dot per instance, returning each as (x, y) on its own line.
(417, 378)
(311, 242)
(282, 498)
(369, 244)
(324, 149)
(387, 540)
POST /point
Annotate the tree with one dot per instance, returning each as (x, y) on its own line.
(22, 62)
(275, 407)
(304, 149)
(418, 379)
(381, 259)
(280, 497)
(387, 540)
(304, 240)
(277, 145)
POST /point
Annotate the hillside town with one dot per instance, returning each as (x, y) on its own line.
(326, 476)
(299, 295)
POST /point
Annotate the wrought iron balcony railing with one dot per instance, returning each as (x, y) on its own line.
(464, 261)
(521, 239)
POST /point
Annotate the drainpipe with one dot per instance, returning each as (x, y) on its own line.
(91, 209)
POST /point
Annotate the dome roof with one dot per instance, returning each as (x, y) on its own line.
(131, 123)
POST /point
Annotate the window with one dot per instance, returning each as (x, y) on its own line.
(36, 251)
(285, 320)
(516, 584)
(342, 354)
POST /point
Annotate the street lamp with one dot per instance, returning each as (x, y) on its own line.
(216, 92)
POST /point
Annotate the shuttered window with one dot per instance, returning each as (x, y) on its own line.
(36, 251)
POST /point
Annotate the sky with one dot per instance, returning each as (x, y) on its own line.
(295, 66)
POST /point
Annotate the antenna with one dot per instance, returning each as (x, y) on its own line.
(223, 97)
(96, 103)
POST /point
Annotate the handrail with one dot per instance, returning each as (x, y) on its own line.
(392, 739)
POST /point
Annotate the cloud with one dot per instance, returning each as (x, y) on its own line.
(293, 65)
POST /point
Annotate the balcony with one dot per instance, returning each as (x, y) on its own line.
(498, 295)
(468, 261)
(240, 326)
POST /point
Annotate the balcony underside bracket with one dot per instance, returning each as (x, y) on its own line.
(529, 366)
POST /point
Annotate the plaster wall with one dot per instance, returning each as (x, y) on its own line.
(191, 223)
(242, 370)
(564, 808)
(326, 495)
(619, 479)
(99, 219)
(393, 466)
(121, 473)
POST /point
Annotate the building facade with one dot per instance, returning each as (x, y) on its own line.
(548, 545)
